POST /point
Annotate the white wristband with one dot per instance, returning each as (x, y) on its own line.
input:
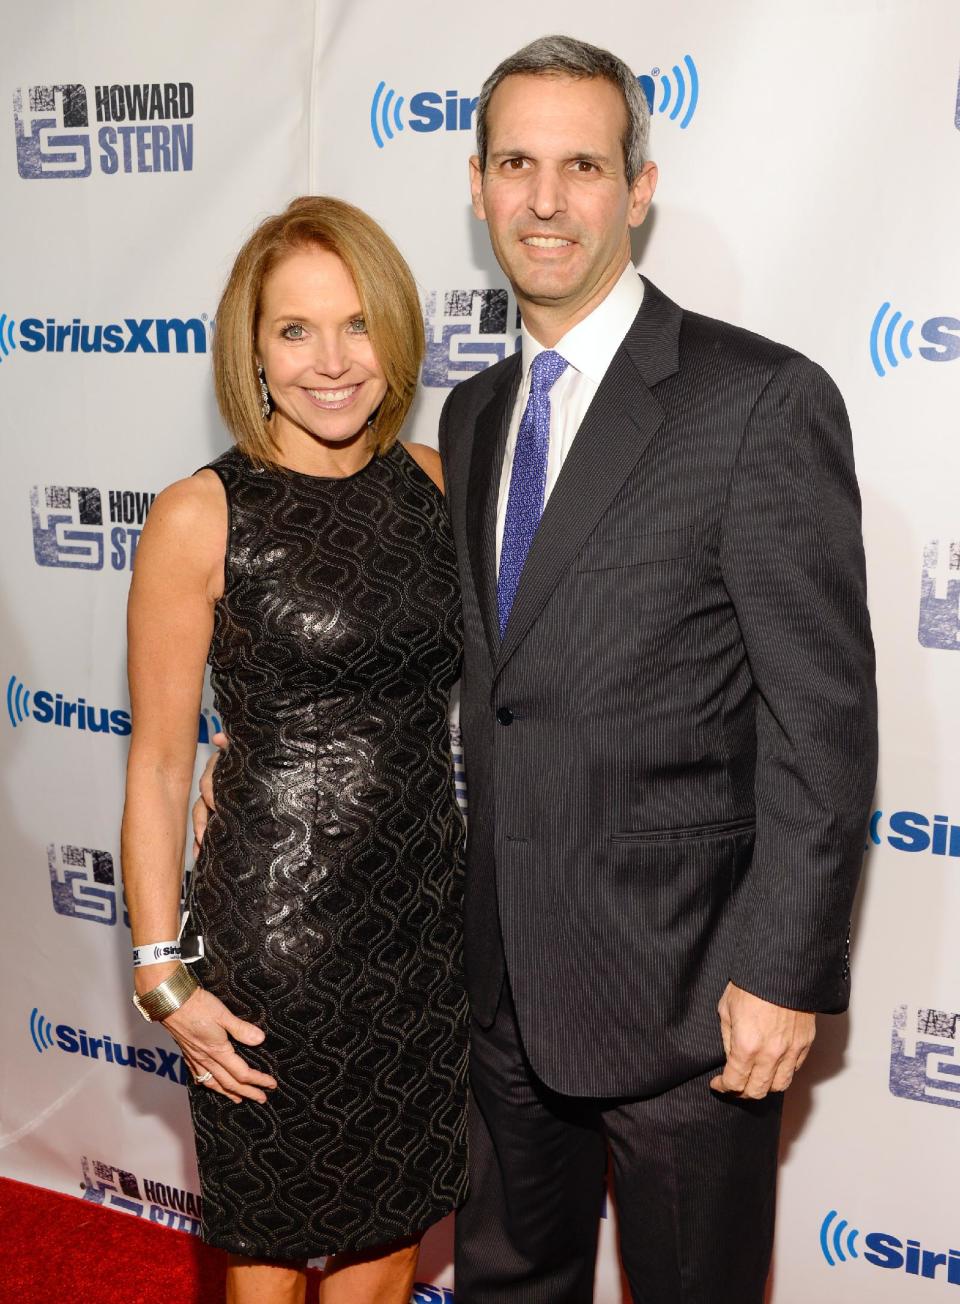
(155, 953)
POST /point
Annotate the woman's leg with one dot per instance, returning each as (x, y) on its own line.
(255, 1281)
(381, 1276)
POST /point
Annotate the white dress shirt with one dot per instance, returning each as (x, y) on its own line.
(589, 348)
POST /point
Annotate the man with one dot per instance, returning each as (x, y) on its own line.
(668, 718)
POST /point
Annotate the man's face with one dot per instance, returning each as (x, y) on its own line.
(554, 193)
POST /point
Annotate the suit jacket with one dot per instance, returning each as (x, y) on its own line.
(671, 754)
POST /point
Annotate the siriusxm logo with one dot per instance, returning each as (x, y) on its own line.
(47, 707)
(924, 1063)
(147, 131)
(424, 1294)
(939, 620)
(675, 93)
(467, 330)
(157, 1060)
(941, 333)
(69, 528)
(884, 1250)
(909, 830)
(132, 335)
(116, 1188)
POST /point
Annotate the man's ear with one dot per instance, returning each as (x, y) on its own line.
(476, 187)
(641, 193)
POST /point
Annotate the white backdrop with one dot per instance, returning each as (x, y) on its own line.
(810, 159)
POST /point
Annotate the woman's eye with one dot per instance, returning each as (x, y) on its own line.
(358, 326)
(294, 331)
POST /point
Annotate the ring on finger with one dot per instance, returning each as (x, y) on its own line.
(204, 1077)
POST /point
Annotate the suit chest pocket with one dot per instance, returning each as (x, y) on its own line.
(616, 551)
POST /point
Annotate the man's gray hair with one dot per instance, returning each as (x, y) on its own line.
(568, 57)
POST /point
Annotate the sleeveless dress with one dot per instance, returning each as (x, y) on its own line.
(328, 889)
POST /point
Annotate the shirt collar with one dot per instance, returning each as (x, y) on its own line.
(590, 345)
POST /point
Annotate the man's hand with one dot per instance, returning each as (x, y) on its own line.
(765, 1044)
(205, 800)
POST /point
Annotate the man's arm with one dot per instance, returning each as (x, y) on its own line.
(793, 564)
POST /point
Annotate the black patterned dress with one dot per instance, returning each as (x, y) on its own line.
(328, 889)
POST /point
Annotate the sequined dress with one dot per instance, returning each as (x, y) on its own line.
(328, 889)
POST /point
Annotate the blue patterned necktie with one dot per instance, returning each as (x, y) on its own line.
(528, 480)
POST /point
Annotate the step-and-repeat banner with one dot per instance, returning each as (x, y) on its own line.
(810, 186)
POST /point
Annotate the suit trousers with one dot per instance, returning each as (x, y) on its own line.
(694, 1175)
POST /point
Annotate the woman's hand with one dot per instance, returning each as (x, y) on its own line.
(202, 1028)
(205, 803)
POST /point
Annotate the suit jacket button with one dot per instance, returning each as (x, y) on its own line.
(504, 715)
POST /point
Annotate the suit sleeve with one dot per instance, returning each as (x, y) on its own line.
(793, 564)
(443, 436)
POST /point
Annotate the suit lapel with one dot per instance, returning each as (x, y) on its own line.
(483, 483)
(617, 428)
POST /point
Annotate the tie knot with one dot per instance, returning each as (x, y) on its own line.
(545, 370)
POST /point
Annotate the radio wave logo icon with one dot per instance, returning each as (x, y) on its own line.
(891, 340)
(18, 701)
(679, 91)
(41, 1030)
(832, 1235)
(385, 103)
(7, 341)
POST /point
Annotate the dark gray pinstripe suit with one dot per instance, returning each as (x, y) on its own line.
(670, 757)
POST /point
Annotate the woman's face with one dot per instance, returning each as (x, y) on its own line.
(323, 375)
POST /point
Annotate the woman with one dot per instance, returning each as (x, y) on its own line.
(314, 565)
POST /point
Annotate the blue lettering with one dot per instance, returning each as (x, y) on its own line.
(182, 332)
(909, 826)
(120, 723)
(884, 1250)
(31, 335)
(143, 150)
(67, 1038)
(182, 137)
(167, 1068)
(125, 133)
(939, 331)
(113, 338)
(118, 554)
(646, 85)
(107, 138)
(146, 1061)
(139, 335)
(425, 113)
(42, 706)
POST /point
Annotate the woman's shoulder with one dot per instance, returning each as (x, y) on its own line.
(193, 509)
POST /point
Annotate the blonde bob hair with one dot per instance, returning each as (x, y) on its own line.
(388, 300)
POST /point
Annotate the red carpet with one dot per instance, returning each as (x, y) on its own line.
(56, 1248)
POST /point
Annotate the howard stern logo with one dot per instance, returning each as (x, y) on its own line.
(85, 883)
(673, 92)
(924, 1064)
(69, 528)
(890, 339)
(156, 1201)
(45, 706)
(939, 621)
(133, 335)
(157, 1060)
(467, 330)
(838, 1245)
(145, 128)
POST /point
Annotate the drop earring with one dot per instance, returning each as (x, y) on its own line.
(264, 394)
